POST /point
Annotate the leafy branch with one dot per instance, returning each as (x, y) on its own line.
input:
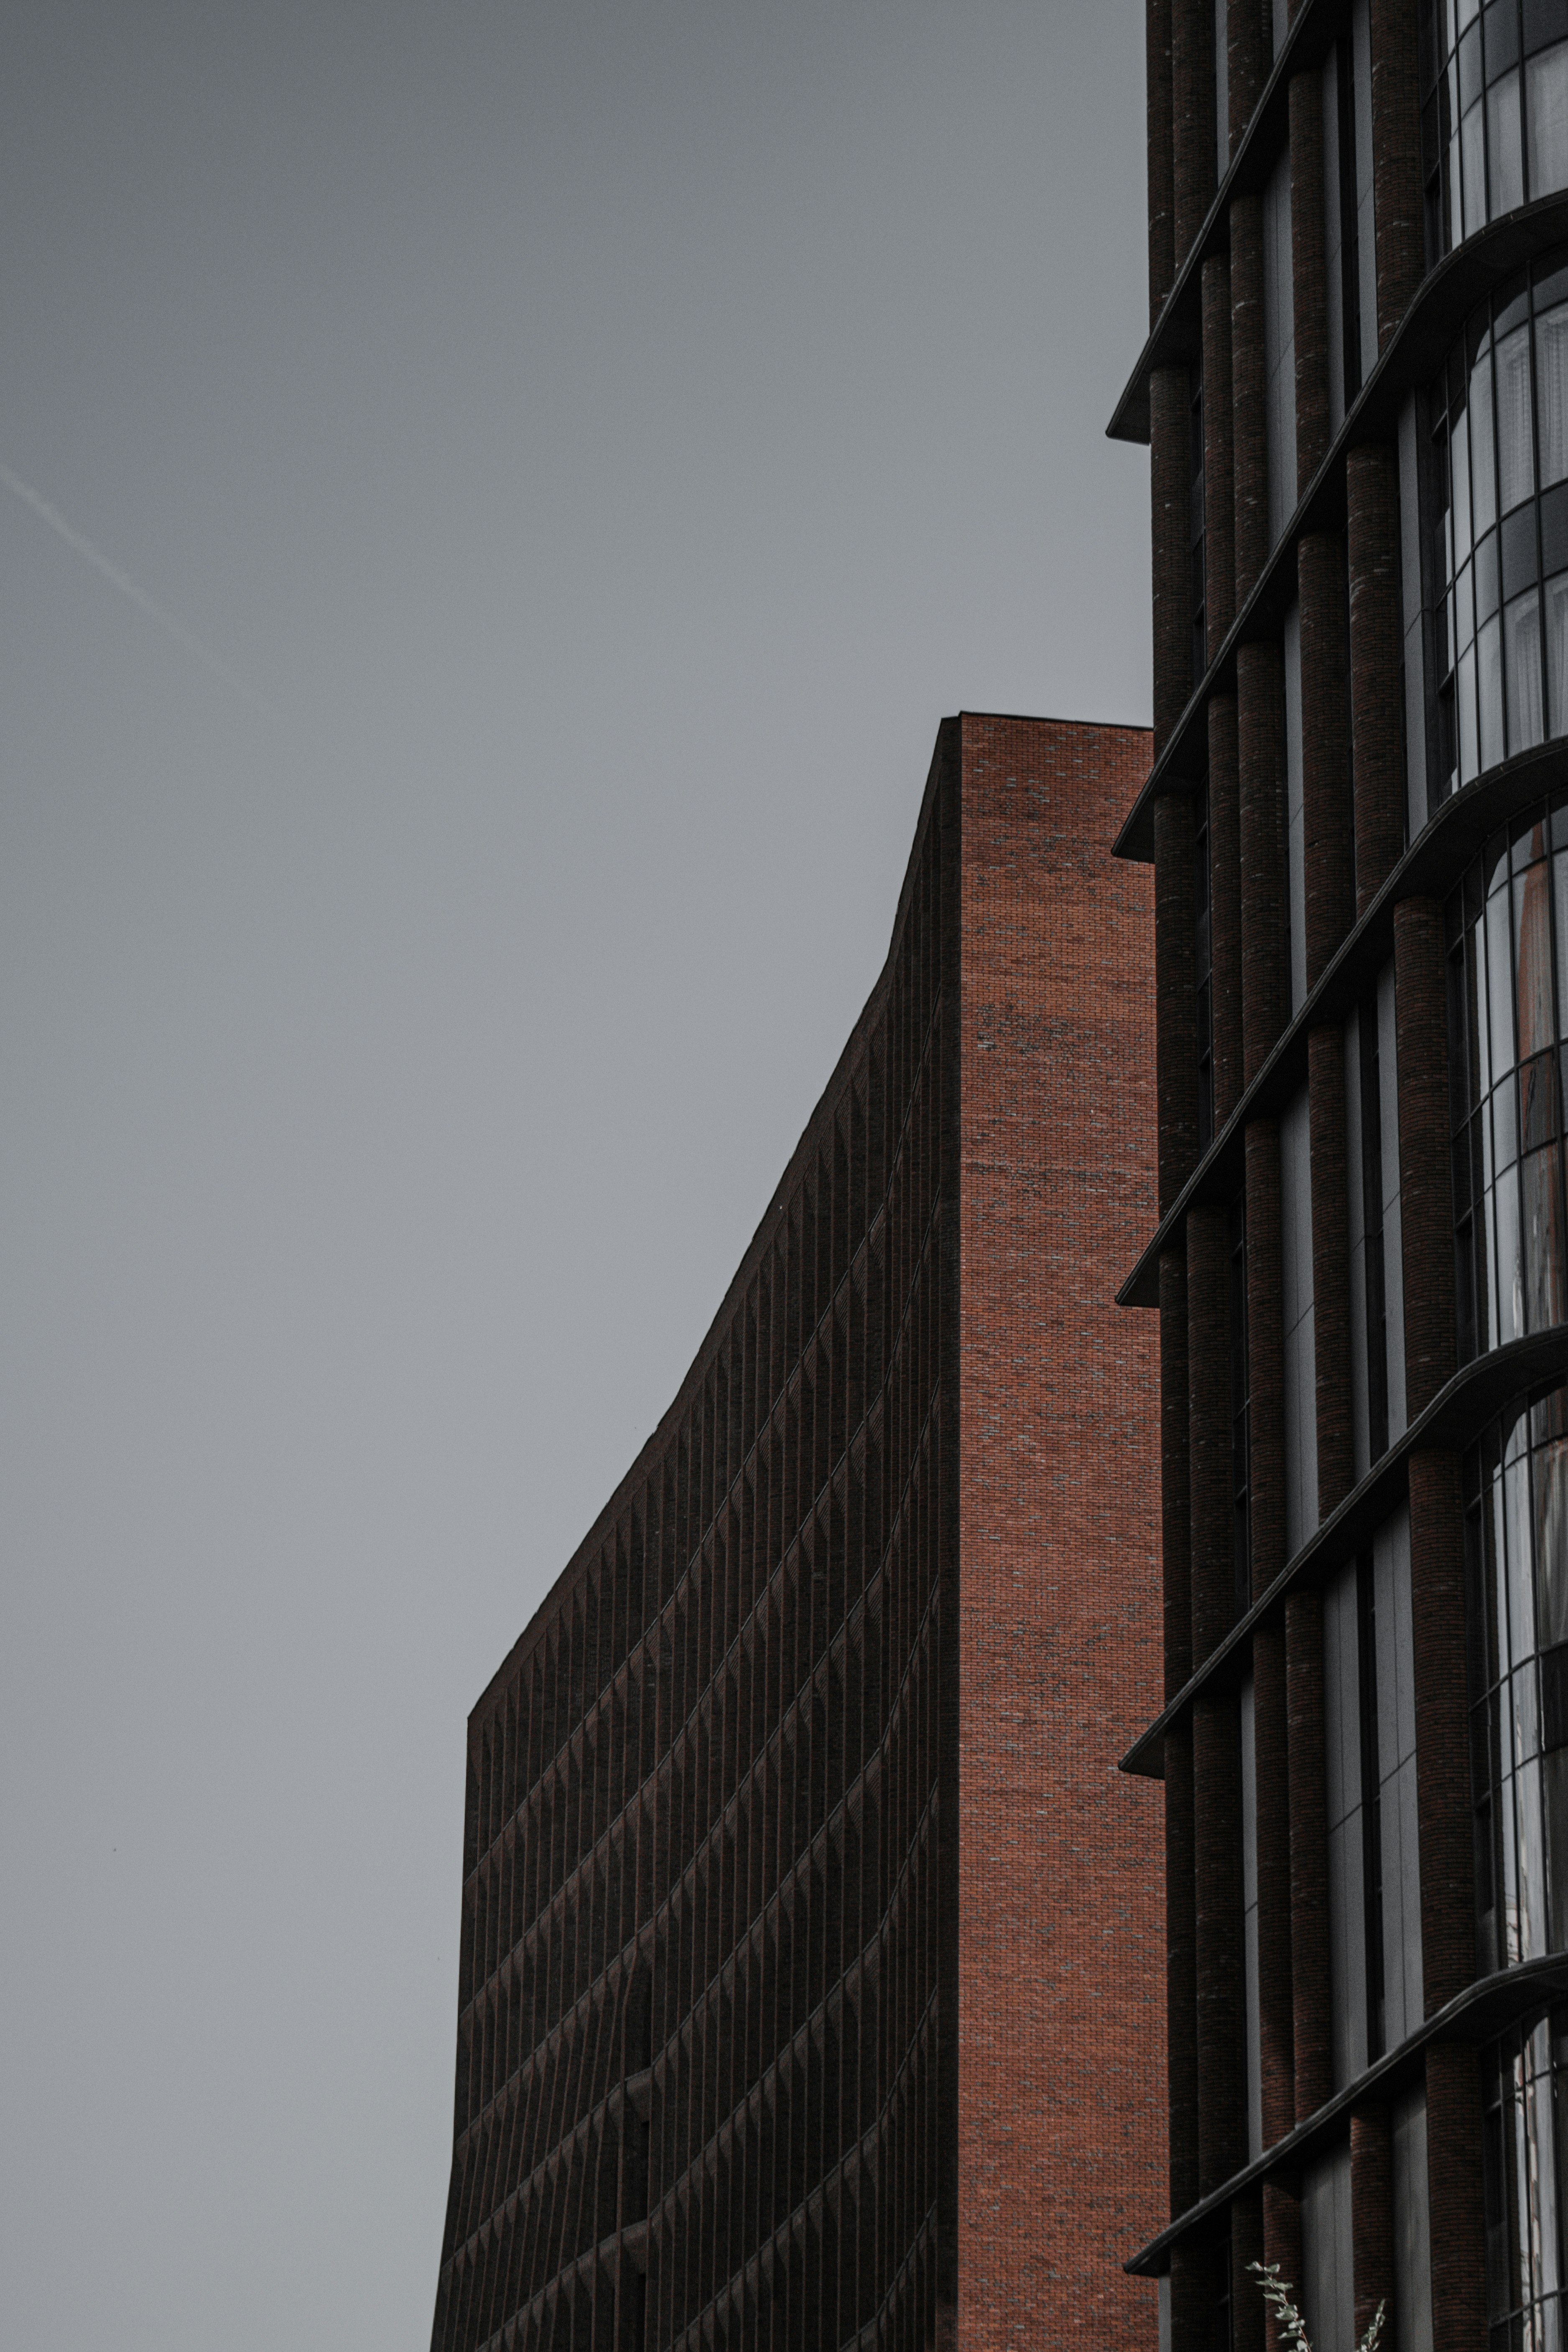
(1292, 2326)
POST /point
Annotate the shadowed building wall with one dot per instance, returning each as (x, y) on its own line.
(1355, 395)
(810, 1980)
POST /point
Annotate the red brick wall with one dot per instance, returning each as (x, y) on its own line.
(1061, 2056)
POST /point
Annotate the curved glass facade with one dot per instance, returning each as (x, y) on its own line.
(1500, 425)
(1507, 1022)
(1524, 2084)
(1495, 118)
(1516, 1542)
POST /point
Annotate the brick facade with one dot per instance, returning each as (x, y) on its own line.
(1368, 1315)
(812, 1983)
(1061, 2030)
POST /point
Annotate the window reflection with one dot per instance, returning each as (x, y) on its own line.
(1524, 2081)
(1516, 1490)
(1508, 976)
(1494, 118)
(1499, 529)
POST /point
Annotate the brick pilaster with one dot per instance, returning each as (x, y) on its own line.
(1246, 2248)
(1397, 201)
(1161, 188)
(1175, 1482)
(1217, 1817)
(1176, 1048)
(1426, 1186)
(1308, 274)
(1208, 1388)
(1192, 2297)
(1249, 447)
(1249, 62)
(1219, 484)
(1281, 2244)
(1170, 469)
(1455, 2198)
(1377, 731)
(1192, 115)
(1331, 1267)
(1265, 1353)
(1225, 905)
(1445, 1825)
(1372, 2217)
(1276, 2006)
(1326, 845)
(1308, 1852)
(1260, 739)
(1181, 1968)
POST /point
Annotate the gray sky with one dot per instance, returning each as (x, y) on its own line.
(579, 453)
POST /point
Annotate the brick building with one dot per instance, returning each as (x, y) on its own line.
(811, 1989)
(1356, 394)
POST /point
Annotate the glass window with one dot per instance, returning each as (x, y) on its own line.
(1524, 2086)
(1508, 998)
(1516, 1546)
(1515, 434)
(1498, 529)
(1546, 84)
(1552, 389)
(1494, 115)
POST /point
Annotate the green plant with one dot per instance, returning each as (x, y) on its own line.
(1292, 2326)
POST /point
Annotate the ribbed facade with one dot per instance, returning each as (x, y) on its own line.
(1358, 819)
(743, 2033)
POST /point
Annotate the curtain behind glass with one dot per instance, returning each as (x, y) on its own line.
(1525, 711)
(1552, 390)
(1483, 487)
(1505, 162)
(1547, 99)
(1516, 445)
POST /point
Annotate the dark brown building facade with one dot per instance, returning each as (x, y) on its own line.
(810, 1987)
(1355, 395)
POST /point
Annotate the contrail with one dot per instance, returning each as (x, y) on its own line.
(100, 563)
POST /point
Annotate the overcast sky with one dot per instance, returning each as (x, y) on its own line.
(496, 501)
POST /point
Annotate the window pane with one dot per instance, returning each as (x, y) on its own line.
(1543, 1296)
(1555, 1770)
(1479, 1041)
(1532, 1887)
(1502, 140)
(1465, 606)
(1538, 1101)
(1509, 1261)
(1551, 386)
(1459, 461)
(1557, 651)
(1552, 1539)
(1548, 101)
(1521, 1582)
(1516, 445)
(1488, 682)
(1505, 1122)
(1534, 970)
(1475, 170)
(1500, 986)
(1472, 77)
(1482, 491)
(1523, 619)
(1501, 37)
